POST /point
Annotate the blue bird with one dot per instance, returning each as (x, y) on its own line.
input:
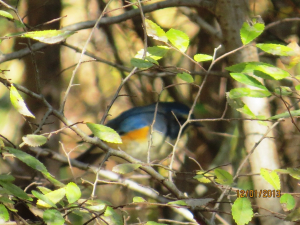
(134, 124)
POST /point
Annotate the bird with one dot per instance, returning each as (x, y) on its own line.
(134, 128)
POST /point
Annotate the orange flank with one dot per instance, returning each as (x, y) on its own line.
(137, 135)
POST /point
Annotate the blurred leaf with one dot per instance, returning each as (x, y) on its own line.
(73, 192)
(43, 200)
(6, 178)
(293, 60)
(138, 199)
(44, 190)
(297, 87)
(179, 39)
(125, 168)
(105, 133)
(293, 216)
(155, 31)
(246, 79)
(287, 202)
(272, 178)
(34, 140)
(249, 31)
(141, 63)
(1, 144)
(18, 102)
(285, 114)
(242, 211)
(186, 77)
(48, 36)
(54, 196)
(239, 105)
(28, 159)
(203, 177)
(111, 217)
(247, 92)
(6, 15)
(283, 91)
(223, 177)
(53, 217)
(276, 49)
(294, 172)
(259, 69)
(156, 52)
(202, 57)
(4, 215)
(15, 190)
(178, 202)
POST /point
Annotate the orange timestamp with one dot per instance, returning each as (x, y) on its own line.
(265, 193)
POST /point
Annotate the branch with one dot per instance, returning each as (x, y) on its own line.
(207, 4)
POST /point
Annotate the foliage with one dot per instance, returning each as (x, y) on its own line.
(66, 201)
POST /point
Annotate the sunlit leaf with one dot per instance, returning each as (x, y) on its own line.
(48, 36)
(286, 114)
(250, 31)
(34, 140)
(276, 49)
(242, 211)
(246, 79)
(179, 39)
(105, 133)
(54, 196)
(239, 105)
(155, 31)
(202, 57)
(247, 92)
(18, 102)
(271, 177)
(73, 192)
(138, 199)
(6, 15)
(4, 215)
(156, 52)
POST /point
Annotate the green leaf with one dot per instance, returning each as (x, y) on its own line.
(203, 177)
(276, 49)
(44, 190)
(223, 177)
(251, 31)
(73, 192)
(179, 39)
(141, 63)
(18, 102)
(248, 80)
(28, 159)
(15, 190)
(6, 178)
(178, 202)
(125, 168)
(202, 57)
(294, 172)
(48, 36)
(239, 105)
(297, 87)
(43, 200)
(186, 77)
(286, 114)
(156, 52)
(54, 196)
(283, 91)
(247, 92)
(96, 205)
(287, 202)
(53, 217)
(6, 15)
(105, 133)
(4, 215)
(272, 178)
(111, 217)
(259, 69)
(155, 31)
(138, 199)
(34, 140)
(242, 211)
